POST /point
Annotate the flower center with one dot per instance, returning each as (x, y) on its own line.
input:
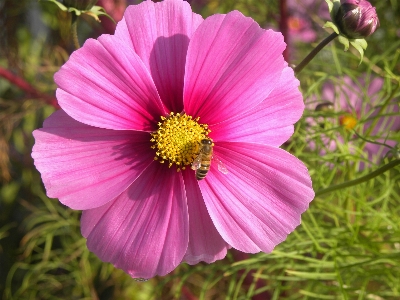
(349, 122)
(177, 139)
(294, 23)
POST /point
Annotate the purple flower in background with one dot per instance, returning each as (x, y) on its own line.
(355, 109)
(136, 105)
(301, 29)
(357, 19)
(300, 23)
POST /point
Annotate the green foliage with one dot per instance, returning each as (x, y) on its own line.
(94, 11)
(347, 247)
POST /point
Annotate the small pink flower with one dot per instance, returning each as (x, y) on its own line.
(357, 110)
(155, 89)
(300, 24)
(301, 29)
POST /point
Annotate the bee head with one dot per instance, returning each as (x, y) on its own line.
(206, 142)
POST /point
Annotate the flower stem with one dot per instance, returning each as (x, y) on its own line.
(283, 27)
(27, 88)
(74, 31)
(386, 103)
(314, 52)
(362, 179)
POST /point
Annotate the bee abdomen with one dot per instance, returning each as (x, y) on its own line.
(202, 171)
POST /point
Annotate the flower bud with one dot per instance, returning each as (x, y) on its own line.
(324, 106)
(356, 19)
(80, 4)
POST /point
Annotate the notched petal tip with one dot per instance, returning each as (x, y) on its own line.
(163, 45)
(271, 189)
(233, 62)
(85, 166)
(205, 243)
(105, 84)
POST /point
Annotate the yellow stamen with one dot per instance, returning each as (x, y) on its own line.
(177, 139)
(349, 122)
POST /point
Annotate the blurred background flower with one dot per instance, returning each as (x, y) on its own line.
(115, 8)
(356, 104)
(305, 19)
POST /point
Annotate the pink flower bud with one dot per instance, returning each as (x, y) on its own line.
(357, 19)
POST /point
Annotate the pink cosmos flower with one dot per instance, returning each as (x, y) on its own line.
(163, 82)
(300, 23)
(357, 110)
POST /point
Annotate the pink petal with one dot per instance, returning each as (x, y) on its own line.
(376, 152)
(270, 122)
(374, 87)
(105, 84)
(388, 119)
(205, 243)
(84, 166)
(163, 44)
(388, 123)
(349, 93)
(145, 230)
(232, 65)
(259, 202)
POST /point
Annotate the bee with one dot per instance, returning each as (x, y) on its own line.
(324, 106)
(202, 162)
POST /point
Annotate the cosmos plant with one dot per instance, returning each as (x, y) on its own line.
(135, 107)
(352, 21)
(356, 110)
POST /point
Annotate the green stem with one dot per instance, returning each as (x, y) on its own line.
(365, 178)
(372, 142)
(314, 52)
(74, 31)
(382, 109)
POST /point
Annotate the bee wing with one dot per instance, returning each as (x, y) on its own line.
(221, 166)
(197, 162)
